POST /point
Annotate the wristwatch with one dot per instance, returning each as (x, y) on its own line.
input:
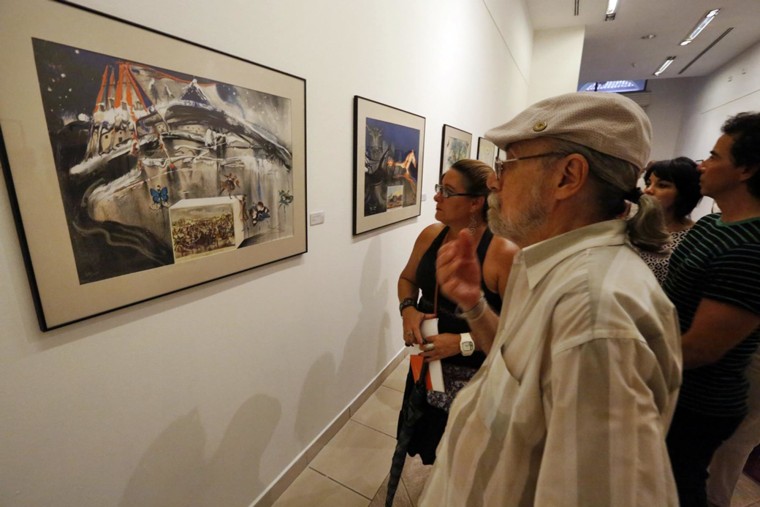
(466, 345)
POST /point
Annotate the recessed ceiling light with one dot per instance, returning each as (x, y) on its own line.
(648, 36)
(664, 65)
(701, 25)
(611, 10)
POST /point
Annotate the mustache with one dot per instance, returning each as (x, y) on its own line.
(493, 202)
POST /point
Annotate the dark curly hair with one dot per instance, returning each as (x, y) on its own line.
(683, 173)
(744, 129)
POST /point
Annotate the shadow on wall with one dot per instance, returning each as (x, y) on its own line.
(174, 471)
(365, 348)
(364, 353)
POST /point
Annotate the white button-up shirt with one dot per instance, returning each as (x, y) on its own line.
(573, 403)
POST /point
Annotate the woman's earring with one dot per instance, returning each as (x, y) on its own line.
(473, 225)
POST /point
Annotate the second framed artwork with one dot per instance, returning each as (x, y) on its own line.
(388, 151)
(455, 145)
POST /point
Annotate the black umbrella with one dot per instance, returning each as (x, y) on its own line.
(410, 414)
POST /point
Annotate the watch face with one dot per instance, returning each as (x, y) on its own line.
(468, 346)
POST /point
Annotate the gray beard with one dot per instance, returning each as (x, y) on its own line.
(524, 221)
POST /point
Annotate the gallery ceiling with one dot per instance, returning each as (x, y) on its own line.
(618, 49)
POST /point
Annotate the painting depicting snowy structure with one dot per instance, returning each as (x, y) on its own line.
(158, 163)
(139, 139)
(387, 164)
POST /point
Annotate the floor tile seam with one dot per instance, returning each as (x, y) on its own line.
(388, 387)
(339, 483)
(374, 429)
(391, 388)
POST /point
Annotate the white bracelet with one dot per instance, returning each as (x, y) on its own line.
(476, 311)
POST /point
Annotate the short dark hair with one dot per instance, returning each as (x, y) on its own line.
(744, 129)
(683, 173)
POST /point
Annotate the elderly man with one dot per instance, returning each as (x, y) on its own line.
(713, 280)
(573, 403)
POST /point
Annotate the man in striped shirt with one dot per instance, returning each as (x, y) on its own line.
(714, 281)
(574, 400)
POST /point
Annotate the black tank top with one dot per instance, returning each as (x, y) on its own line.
(448, 322)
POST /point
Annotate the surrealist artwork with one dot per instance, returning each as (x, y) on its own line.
(154, 168)
(455, 145)
(137, 146)
(388, 156)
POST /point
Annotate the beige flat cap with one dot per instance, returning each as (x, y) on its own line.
(606, 122)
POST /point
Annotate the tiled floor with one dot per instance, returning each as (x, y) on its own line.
(352, 469)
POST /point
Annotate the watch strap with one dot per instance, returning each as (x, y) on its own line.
(405, 303)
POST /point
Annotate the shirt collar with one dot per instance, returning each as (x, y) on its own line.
(541, 258)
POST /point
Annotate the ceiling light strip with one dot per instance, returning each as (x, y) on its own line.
(664, 65)
(705, 50)
(611, 10)
(701, 25)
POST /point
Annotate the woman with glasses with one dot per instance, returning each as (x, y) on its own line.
(461, 203)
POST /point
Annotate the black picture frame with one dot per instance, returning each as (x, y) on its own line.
(139, 164)
(388, 156)
(456, 144)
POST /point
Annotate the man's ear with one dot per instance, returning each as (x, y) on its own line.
(748, 171)
(572, 176)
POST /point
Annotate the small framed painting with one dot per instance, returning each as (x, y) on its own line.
(455, 145)
(487, 151)
(388, 152)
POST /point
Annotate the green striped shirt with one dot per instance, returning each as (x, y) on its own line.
(717, 261)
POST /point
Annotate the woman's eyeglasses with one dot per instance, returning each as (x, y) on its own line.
(446, 193)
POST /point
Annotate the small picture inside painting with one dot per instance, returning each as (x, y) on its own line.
(202, 227)
(455, 145)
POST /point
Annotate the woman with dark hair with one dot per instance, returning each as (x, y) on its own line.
(460, 203)
(675, 185)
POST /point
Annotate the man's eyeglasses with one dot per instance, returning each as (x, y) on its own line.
(500, 164)
(446, 193)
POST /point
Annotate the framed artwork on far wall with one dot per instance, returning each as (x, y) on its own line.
(139, 164)
(388, 154)
(487, 151)
(455, 145)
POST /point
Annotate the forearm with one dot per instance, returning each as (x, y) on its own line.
(695, 354)
(406, 289)
(709, 338)
(483, 322)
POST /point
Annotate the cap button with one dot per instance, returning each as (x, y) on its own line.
(539, 126)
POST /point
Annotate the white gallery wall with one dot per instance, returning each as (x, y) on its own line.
(733, 88)
(556, 62)
(206, 396)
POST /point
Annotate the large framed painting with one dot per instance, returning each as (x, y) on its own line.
(456, 144)
(487, 151)
(139, 164)
(388, 152)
